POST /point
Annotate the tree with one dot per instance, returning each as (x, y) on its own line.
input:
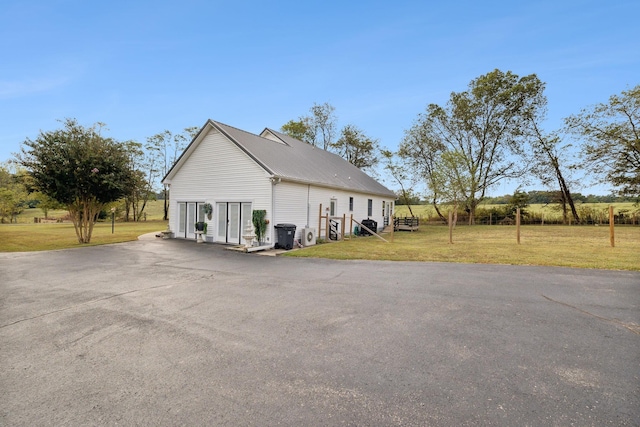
(485, 126)
(519, 200)
(611, 148)
(357, 148)
(300, 129)
(451, 181)
(145, 173)
(166, 148)
(46, 203)
(546, 159)
(318, 129)
(12, 194)
(421, 156)
(79, 168)
(399, 174)
(324, 124)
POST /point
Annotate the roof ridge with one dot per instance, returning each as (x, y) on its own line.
(236, 128)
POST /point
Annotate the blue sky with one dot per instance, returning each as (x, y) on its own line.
(145, 66)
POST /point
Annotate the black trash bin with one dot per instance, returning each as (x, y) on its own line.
(286, 235)
(370, 224)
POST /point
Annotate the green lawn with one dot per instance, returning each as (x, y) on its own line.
(567, 246)
(40, 237)
(551, 245)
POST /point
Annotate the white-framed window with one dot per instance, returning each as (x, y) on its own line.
(350, 204)
(369, 207)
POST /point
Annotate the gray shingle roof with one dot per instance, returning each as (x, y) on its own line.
(297, 161)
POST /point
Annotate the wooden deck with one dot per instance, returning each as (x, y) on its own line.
(408, 223)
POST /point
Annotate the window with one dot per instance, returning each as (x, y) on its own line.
(369, 207)
(350, 204)
(334, 207)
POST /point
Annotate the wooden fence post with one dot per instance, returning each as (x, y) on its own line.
(393, 226)
(351, 227)
(450, 227)
(518, 225)
(611, 227)
(328, 227)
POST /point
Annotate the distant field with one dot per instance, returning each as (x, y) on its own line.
(154, 211)
(549, 212)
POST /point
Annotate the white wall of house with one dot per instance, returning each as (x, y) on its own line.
(218, 171)
(299, 204)
(324, 196)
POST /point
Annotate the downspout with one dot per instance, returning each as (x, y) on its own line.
(308, 204)
(275, 180)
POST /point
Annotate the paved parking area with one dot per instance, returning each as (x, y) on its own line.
(171, 333)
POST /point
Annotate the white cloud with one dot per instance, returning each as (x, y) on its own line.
(20, 88)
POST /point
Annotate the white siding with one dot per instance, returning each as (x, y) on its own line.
(218, 171)
(299, 204)
(320, 195)
(291, 205)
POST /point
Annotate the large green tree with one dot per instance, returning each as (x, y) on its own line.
(80, 168)
(318, 129)
(300, 129)
(611, 134)
(482, 129)
(357, 148)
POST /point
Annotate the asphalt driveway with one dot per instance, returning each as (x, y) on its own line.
(171, 333)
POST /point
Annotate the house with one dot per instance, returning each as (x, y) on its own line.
(236, 172)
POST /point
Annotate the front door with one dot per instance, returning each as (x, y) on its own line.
(233, 223)
(232, 219)
(191, 220)
(189, 213)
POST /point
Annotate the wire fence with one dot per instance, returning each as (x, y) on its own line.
(494, 218)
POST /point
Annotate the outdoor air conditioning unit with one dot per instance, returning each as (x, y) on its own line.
(308, 236)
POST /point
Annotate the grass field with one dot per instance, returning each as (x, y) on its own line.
(41, 237)
(154, 211)
(566, 246)
(552, 245)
